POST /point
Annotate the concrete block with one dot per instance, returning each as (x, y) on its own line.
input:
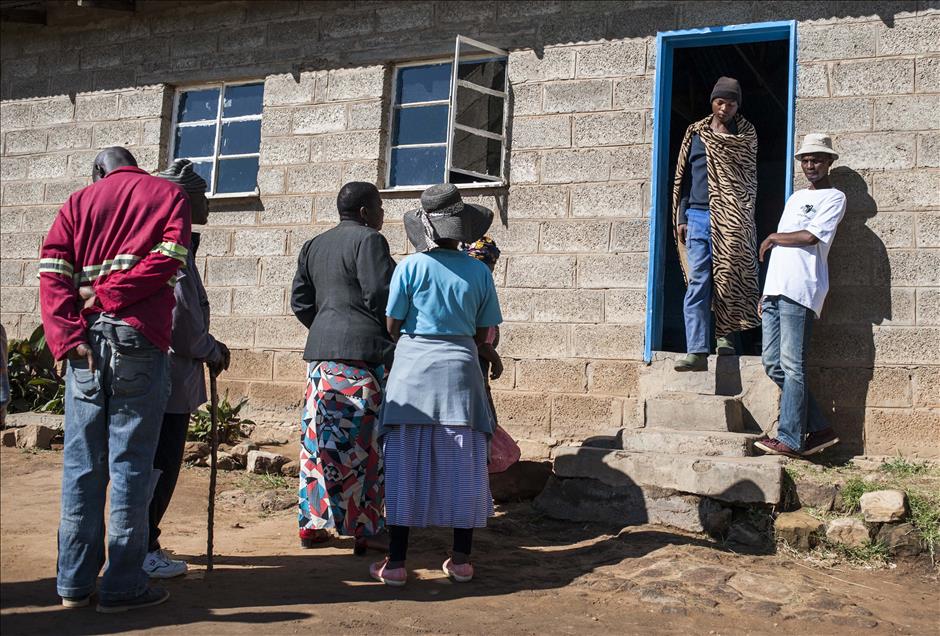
(286, 211)
(23, 193)
(552, 64)
(11, 274)
(634, 93)
(283, 90)
(849, 532)
(906, 112)
(275, 401)
(342, 146)
(873, 77)
(577, 96)
(578, 236)
(19, 300)
(837, 42)
(250, 365)
(798, 529)
(538, 202)
(812, 80)
(516, 303)
(14, 168)
(143, 103)
(58, 191)
(627, 57)
(520, 237)
(18, 142)
(314, 177)
(928, 150)
(526, 100)
(624, 342)
(236, 333)
(284, 150)
(540, 271)
(894, 230)
(739, 480)
(15, 116)
(928, 229)
(913, 35)
(694, 412)
(35, 436)
(523, 415)
(361, 171)
(20, 245)
(925, 382)
(220, 300)
(907, 189)
(928, 306)
(568, 306)
(686, 442)
(833, 115)
(313, 120)
(612, 271)
(551, 376)
(523, 168)
(281, 333)
(365, 115)
(927, 75)
(232, 272)
(630, 162)
(576, 417)
(259, 301)
(520, 340)
(608, 200)
(915, 268)
(47, 166)
(289, 366)
(70, 138)
(630, 236)
(553, 131)
(891, 151)
(276, 122)
(608, 129)
(58, 110)
(356, 83)
(884, 506)
(260, 242)
(96, 107)
(124, 133)
(613, 377)
(908, 432)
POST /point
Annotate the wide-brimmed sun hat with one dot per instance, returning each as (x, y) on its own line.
(816, 142)
(444, 215)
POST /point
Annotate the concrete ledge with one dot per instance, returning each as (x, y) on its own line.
(18, 420)
(697, 443)
(740, 480)
(694, 412)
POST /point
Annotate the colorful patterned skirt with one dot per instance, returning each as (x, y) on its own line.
(341, 472)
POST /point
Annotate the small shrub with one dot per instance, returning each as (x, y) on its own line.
(873, 553)
(900, 468)
(853, 490)
(229, 423)
(925, 516)
(35, 383)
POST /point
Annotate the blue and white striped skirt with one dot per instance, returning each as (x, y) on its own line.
(435, 475)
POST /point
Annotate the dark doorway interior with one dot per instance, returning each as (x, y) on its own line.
(763, 70)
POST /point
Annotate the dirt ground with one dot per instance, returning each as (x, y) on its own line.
(534, 576)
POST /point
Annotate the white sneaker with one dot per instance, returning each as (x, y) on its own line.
(158, 565)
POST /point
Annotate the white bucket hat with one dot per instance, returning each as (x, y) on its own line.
(816, 142)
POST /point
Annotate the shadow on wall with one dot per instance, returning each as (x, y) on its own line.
(842, 353)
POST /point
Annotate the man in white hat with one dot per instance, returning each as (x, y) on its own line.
(794, 292)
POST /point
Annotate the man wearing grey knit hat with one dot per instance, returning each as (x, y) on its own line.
(192, 345)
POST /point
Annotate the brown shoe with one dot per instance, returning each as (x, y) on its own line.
(773, 446)
(819, 441)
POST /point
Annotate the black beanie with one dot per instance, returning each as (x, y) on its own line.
(726, 88)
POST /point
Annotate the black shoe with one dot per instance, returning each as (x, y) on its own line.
(819, 441)
(151, 596)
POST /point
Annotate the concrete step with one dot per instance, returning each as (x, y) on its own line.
(698, 443)
(686, 411)
(726, 375)
(736, 480)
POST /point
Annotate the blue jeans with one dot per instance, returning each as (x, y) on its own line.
(112, 424)
(697, 305)
(787, 326)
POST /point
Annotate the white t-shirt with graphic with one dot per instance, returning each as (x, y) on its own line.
(802, 273)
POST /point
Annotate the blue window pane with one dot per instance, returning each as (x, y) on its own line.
(240, 137)
(204, 170)
(417, 166)
(237, 175)
(197, 105)
(242, 100)
(195, 141)
(420, 125)
(423, 83)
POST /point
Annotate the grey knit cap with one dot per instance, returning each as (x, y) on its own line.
(183, 174)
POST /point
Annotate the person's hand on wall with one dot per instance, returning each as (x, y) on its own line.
(683, 232)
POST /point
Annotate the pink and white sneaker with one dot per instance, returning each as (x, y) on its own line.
(396, 577)
(462, 573)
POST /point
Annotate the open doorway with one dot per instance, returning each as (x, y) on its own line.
(761, 58)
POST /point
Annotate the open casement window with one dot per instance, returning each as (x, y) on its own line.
(218, 128)
(449, 126)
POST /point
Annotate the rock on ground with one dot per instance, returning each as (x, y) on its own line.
(262, 462)
(811, 494)
(902, 539)
(227, 461)
(240, 451)
(9, 439)
(798, 529)
(883, 506)
(35, 436)
(195, 452)
(291, 469)
(849, 532)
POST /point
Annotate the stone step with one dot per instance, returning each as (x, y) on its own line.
(685, 411)
(737, 480)
(726, 375)
(698, 443)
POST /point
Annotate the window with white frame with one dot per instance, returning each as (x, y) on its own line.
(446, 126)
(218, 128)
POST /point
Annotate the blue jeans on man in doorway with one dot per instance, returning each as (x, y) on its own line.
(112, 424)
(787, 327)
(697, 304)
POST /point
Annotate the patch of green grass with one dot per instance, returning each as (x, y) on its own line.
(900, 468)
(873, 553)
(853, 490)
(250, 482)
(925, 516)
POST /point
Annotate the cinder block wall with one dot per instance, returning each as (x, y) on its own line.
(572, 279)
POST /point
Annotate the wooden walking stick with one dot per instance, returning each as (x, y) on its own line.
(213, 451)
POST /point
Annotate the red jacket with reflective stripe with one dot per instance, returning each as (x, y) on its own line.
(126, 235)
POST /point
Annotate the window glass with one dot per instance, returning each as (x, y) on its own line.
(198, 105)
(243, 99)
(420, 125)
(423, 83)
(418, 166)
(476, 153)
(240, 137)
(194, 141)
(479, 110)
(486, 73)
(204, 170)
(237, 175)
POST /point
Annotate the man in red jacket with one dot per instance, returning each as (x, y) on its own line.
(126, 236)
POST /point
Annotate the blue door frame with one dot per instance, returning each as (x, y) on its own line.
(666, 44)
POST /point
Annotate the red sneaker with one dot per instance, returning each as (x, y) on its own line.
(773, 446)
(819, 441)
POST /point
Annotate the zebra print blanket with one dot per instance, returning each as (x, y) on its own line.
(732, 192)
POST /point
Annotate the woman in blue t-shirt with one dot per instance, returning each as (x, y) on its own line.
(436, 420)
